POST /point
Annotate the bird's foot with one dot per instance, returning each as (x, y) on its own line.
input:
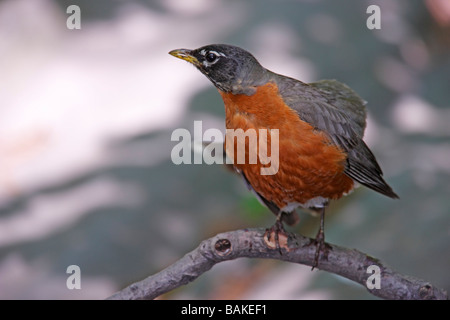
(276, 236)
(321, 247)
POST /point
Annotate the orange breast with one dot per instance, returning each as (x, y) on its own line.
(309, 164)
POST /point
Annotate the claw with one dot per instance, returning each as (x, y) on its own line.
(279, 234)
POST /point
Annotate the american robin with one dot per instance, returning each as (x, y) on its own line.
(322, 155)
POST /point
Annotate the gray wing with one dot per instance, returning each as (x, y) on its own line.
(337, 110)
(344, 98)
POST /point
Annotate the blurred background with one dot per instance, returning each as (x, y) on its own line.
(86, 118)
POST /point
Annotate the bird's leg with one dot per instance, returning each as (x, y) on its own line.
(320, 239)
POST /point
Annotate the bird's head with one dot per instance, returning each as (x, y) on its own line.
(230, 68)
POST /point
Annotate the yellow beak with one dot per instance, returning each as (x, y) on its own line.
(185, 54)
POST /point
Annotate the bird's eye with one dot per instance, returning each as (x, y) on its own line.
(210, 57)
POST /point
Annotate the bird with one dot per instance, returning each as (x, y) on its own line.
(321, 152)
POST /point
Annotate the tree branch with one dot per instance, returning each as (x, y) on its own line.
(253, 243)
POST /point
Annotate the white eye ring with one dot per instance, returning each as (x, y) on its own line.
(211, 57)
